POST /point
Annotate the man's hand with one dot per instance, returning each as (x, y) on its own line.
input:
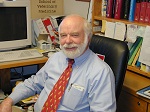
(6, 105)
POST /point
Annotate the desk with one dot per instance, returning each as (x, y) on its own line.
(129, 101)
(6, 66)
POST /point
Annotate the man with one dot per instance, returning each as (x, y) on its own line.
(91, 86)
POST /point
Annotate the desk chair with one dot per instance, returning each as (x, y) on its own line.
(116, 56)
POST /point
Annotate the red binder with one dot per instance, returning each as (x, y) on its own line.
(48, 25)
(147, 13)
(109, 10)
(137, 10)
(143, 11)
(118, 9)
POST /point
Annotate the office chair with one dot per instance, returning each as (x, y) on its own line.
(116, 56)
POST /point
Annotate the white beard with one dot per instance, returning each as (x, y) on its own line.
(76, 53)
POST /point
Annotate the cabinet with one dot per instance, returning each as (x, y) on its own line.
(129, 101)
(135, 79)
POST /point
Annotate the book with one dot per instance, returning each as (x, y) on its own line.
(40, 26)
(133, 47)
(137, 10)
(136, 57)
(48, 25)
(109, 9)
(143, 10)
(126, 6)
(138, 63)
(114, 2)
(147, 13)
(54, 22)
(104, 8)
(132, 10)
(118, 9)
(134, 50)
(143, 67)
(144, 92)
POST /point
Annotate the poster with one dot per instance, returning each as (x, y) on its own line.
(43, 8)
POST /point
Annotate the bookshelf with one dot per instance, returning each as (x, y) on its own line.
(135, 78)
(96, 16)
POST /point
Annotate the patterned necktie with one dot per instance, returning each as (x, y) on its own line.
(57, 92)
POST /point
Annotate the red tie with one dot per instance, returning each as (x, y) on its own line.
(57, 92)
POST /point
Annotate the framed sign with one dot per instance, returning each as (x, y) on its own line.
(43, 8)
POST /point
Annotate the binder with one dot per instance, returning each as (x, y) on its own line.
(143, 11)
(147, 13)
(137, 10)
(132, 10)
(135, 49)
(40, 26)
(109, 10)
(48, 25)
(118, 9)
(126, 6)
(104, 8)
(136, 57)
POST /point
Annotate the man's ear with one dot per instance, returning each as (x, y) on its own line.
(89, 39)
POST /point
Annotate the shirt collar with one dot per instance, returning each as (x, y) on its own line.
(81, 58)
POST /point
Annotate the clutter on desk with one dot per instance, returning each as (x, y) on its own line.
(2, 96)
(45, 33)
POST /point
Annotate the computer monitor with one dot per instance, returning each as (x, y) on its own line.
(15, 24)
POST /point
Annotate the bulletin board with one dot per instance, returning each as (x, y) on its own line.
(43, 8)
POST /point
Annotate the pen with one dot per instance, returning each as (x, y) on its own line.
(70, 87)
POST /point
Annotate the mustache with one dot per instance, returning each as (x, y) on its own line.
(69, 45)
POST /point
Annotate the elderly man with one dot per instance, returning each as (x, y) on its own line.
(90, 86)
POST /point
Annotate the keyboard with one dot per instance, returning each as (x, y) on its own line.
(19, 55)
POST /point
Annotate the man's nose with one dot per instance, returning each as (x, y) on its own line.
(68, 39)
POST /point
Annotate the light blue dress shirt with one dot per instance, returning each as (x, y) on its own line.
(91, 87)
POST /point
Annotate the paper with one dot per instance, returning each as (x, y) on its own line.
(131, 30)
(120, 31)
(145, 49)
(141, 31)
(110, 29)
(90, 11)
(103, 26)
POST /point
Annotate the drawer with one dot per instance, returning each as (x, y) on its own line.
(130, 103)
(148, 107)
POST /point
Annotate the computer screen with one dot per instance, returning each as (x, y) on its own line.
(15, 24)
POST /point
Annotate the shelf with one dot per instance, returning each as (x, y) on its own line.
(119, 20)
(137, 70)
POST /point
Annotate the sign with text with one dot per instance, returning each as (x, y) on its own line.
(43, 8)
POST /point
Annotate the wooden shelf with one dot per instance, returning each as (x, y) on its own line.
(137, 70)
(119, 20)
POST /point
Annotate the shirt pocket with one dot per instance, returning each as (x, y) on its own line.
(72, 98)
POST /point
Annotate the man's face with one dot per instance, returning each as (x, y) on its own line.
(72, 38)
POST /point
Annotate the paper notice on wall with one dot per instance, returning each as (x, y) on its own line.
(145, 49)
(120, 31)
(43, 8)
(110, 29)
(131, 33)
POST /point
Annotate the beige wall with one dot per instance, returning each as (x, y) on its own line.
(78, 7)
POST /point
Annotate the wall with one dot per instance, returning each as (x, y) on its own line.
(78, 7)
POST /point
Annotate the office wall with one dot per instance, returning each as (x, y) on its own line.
(78, 7)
